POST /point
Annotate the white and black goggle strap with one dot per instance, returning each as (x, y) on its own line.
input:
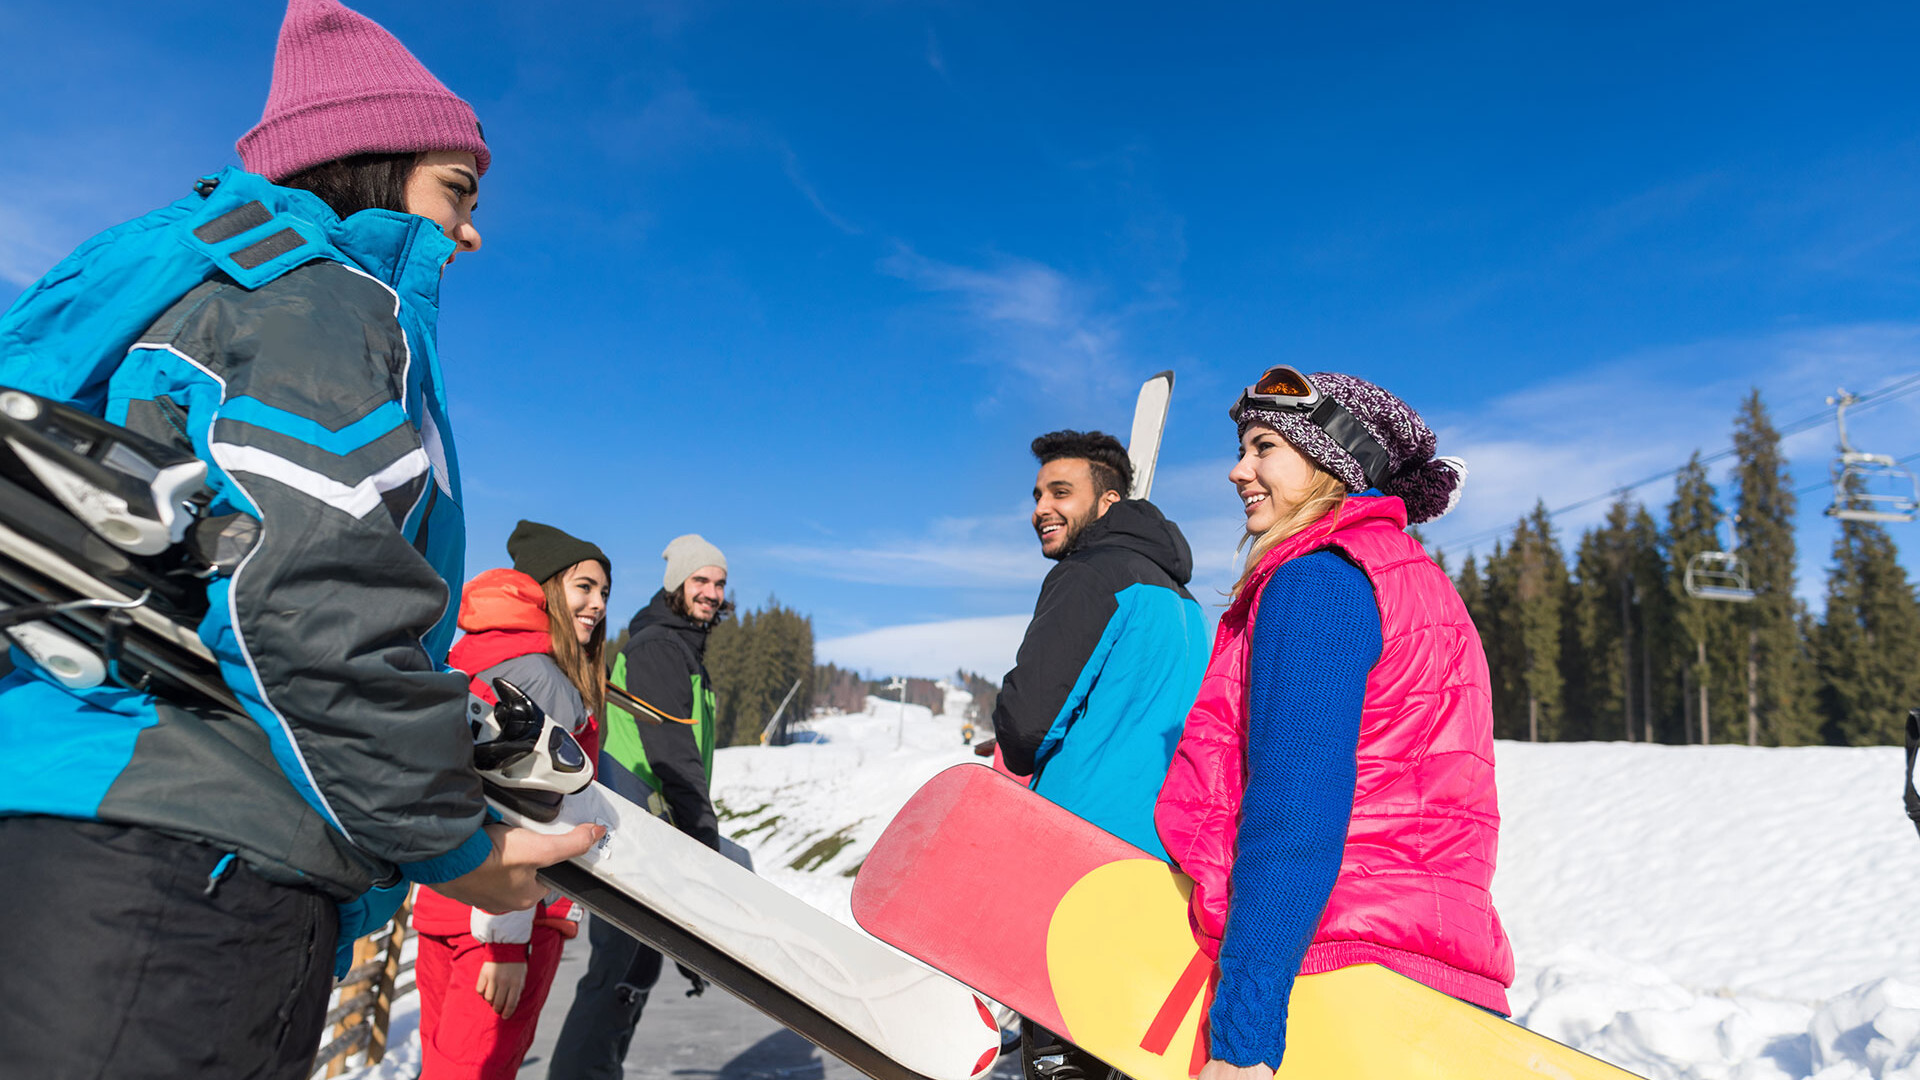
(1352, 436)
(1344, 428)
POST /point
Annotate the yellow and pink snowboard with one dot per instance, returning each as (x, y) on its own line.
(1087, 935)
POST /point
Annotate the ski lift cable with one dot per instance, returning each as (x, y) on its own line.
(1890, 392)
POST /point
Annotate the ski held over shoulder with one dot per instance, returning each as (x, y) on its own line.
(1149, 423)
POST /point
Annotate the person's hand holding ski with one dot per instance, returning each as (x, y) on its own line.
(506, 881)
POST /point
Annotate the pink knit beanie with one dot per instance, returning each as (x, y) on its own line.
(343, 85)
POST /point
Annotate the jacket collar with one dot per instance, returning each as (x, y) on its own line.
(406, 251)
(659, 612)
(1355, 511)
(1139, 526)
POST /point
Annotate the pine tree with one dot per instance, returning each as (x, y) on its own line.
(1601, 658)
(1868, 647)
(1657, 676)
(728, 659)
(986, 694)
(1703, 630)
(1582, 667)
(754, 660)
(1542, 596)
(1473, 594)
(1497, 616)
(837, 689)
(1779, 673)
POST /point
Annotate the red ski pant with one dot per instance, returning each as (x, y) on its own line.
(461, 1037)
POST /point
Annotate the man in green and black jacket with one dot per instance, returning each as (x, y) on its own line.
(668, 766)
(663, 666)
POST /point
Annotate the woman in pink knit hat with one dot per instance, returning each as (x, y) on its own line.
(182, 897)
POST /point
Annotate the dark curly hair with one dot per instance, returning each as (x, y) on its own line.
(1105, 457)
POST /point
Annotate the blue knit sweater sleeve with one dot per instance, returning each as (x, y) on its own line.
(1317, 637)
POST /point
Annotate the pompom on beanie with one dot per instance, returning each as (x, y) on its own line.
(541, 551)
(688, 553)
(1429, 485)
(343, 85)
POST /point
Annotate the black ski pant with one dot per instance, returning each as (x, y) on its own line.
(607, 1002)
(126, 953)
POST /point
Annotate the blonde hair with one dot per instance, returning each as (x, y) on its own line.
(583, 665)
(1324, 497)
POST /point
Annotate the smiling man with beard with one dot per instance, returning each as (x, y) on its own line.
(1113, 657)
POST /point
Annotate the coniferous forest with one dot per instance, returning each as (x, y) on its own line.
(1598, 638)
(754, 657)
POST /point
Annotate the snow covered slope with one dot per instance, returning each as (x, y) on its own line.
(1685, 912)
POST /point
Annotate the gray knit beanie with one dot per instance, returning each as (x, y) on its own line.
(688, 553)
(1430, 486)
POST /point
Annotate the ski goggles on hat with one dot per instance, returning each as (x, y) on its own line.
(1284, 389)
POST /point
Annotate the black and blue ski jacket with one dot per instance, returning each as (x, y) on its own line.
(1110, 665)
(294, 352)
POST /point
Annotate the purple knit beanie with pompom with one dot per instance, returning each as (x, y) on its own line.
(1430, 486)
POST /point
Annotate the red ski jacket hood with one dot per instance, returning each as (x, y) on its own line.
(1412, 894)
(502, 599)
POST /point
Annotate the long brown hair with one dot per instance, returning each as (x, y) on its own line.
(583, 665)
(1325, 495)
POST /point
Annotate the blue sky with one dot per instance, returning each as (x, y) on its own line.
(806, 278)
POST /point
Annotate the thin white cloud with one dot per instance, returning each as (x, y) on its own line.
(970, 553)
(1030, 316)
(934, 650)
(31, 241)
(790, 164)
(936, 59)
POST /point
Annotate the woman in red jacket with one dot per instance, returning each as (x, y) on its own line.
(1332, 795)
(542, 627)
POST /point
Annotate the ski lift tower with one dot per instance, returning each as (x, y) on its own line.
(1868, 487)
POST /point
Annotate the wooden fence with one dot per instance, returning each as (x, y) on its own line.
(366, 996)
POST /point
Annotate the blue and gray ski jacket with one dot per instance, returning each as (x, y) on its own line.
(294, 352)
(1109, 667)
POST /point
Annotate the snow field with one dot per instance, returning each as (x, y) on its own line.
(810, 812)
(1688, 913)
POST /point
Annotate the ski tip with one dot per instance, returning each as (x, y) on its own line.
(1167, 375)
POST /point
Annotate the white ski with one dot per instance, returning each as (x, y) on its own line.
(873, 1007)
(1149, 423)
(867, 1004)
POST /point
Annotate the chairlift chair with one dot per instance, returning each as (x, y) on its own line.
(1718, 575)
(1873, 487)
(1869, 487)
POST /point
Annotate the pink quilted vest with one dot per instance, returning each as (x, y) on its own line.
(1412, 892)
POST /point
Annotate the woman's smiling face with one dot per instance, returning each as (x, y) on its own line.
(586, 588)
(1271, 477)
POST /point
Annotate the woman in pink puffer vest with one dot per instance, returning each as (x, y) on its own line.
(1332, 796)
